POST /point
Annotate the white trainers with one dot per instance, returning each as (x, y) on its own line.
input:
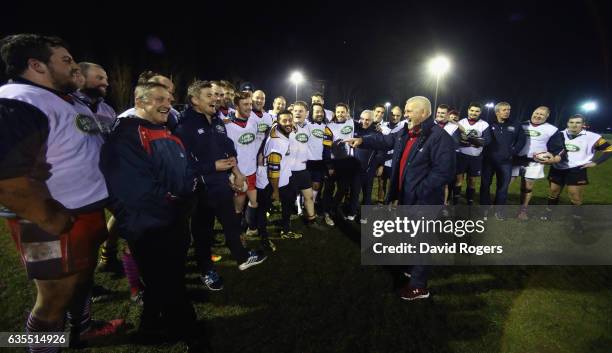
(350, 217)
(255, 258)
(329, 221)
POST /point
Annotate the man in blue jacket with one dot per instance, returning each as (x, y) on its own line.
(423, 162)
(150, 185)
(368, 159)
(214, 158)
(507, 140)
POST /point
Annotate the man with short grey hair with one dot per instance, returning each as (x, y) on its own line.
(423, 162)
(507, 139)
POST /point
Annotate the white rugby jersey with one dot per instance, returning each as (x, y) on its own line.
(315, 143)
(480, 126)
(580, 150)
(300, 150)
(386, 130)
(246, 144)
(74, 143)
(230, 111)
(328, 115)
(275, 143)
(537, 138)
(263, 124)
(342, 131)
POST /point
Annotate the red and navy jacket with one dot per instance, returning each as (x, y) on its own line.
(147, 174)
(430, 164)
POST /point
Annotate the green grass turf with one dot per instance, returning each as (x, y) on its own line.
(313, 295)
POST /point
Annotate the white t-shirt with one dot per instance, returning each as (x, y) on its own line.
(300, 151)
(537, 138)
(279, 144)
(315, 143)
(73, 145)
(580, 150)
(246, 144)
(263, 124)
(479, 126)
(342, 131)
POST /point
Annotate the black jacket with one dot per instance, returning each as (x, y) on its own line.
(369, 159)
(206, 143)
(430, 165)
(507, 140)
(147, 174)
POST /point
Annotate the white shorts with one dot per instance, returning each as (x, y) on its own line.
(533, 170)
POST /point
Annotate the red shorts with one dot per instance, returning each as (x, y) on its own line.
(47, 256)
(251, 183)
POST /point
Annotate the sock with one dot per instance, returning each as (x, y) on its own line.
(469, 195)
(314, 195)
(298, 204)
(456, 194)
(131, 272)
(108, 252)
(251, 217)
(79, 313)
(577, 212)
(34, 325)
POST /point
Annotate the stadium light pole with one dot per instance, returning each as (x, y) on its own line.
(489, 106)
(296, 78)
(438, 66)
(387, 105)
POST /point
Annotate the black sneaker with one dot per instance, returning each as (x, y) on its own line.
(100, 294)
(137, 298)
(212, 280)
(268, 245)
(315, 225)
(112, 265)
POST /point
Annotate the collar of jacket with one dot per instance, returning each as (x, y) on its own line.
(191, 113)
(426, 127)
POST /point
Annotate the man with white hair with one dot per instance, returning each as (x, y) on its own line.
(423, 162)
(368, 159)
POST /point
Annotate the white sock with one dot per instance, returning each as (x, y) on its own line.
(298, 204)
(314, 195)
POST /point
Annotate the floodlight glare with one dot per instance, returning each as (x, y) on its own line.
(589, 106)
(296, 78)
(439, 65)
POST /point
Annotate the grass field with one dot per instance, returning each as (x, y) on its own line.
(312, 295)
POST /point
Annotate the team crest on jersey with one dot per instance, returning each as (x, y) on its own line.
(301, 137)
(246, 138)
(262, 127)
(346, 130)
(220, 129)
(511, 128)
(532, 133)
(89, 124)
(318, 133)
(571, 148)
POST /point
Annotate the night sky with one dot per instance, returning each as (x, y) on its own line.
(527, 53)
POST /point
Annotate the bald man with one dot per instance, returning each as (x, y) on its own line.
(423, 163)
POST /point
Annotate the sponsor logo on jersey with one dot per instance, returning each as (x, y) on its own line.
(318, 133)
(246, 138)
(346, 130)
(301, 137)
(571, 148)
(532, 133)
(262, 127)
